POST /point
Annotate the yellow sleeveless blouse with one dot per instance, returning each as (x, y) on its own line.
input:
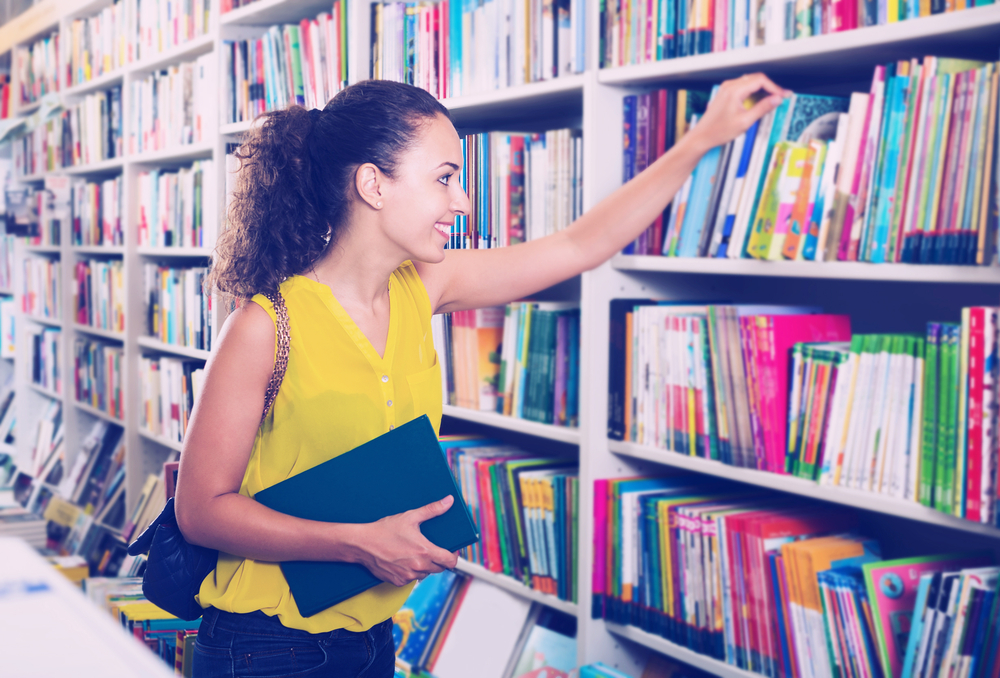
(337, 394)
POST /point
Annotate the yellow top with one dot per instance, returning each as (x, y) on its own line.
(338, 393)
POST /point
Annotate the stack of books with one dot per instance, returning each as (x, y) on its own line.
(97, 45)
(169, 108)
(781, 586)
(99, 294)
(451, 50)
(98, 367)
(791, 391)
(521, 360)
(38, 69)
(162, 24)
(528, 517)
(178, 208)
(637, 32)
(46, 349)
(178, 309)
(904, 173)
(41, 287)
(169, 387)
(97, 213)
(304, 64)
(521, 186)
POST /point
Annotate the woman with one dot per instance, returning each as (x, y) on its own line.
(348, 211)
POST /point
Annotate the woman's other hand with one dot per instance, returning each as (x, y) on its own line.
(394, 549)
(728, 114)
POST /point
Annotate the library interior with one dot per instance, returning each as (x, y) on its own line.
(644, 454)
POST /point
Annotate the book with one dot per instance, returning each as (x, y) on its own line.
(363, 495)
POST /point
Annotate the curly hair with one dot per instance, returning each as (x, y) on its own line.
(295, 178)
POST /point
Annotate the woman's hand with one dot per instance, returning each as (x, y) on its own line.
(727, 116)
(394, 549)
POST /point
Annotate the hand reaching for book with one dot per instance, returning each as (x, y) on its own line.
(395, 550)
(735, 107)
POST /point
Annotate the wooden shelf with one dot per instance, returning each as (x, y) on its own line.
(561, 433)
(688, 656)
(867, 501)
(109, 165)
(43, 249)
(105, 81)
(98, 332)
(32, 178)
(106, 250)
(188, 152)
(157, 345)
(516, 587)
(100, 414)
(47, 392)
(148, 251)
(533, 99)
(191, 49)
(160, 440)
(267, 12)
(853, 52)
(51, 322)
(843, 270)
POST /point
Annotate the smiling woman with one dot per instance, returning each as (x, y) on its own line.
(346, 212)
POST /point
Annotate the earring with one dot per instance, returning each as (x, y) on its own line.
(378, 204)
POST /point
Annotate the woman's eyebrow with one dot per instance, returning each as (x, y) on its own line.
(448, 164)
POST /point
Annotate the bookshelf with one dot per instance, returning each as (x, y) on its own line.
(890, 297)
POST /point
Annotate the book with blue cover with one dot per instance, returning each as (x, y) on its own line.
(399, 471)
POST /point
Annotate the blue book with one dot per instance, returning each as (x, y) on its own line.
(630, 105)
(414, 623)
(399, 471)
(877, 244)
(741, 173)
(697, 204)
(917, 623)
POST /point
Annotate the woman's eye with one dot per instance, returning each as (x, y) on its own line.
(444, 179)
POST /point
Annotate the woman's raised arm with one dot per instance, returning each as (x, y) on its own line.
(477, 278)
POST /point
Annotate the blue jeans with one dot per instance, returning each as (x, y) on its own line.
(254, 644)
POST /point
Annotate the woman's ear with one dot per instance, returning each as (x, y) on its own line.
(368, 180)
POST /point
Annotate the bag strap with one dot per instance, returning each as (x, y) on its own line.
(283, 338)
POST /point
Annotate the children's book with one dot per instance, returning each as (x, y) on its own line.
(413, 623)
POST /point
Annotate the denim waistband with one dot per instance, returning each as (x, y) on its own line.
(259, 623)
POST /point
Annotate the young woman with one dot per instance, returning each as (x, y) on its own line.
(347, 211)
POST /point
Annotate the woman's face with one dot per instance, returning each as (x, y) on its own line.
(424, 197)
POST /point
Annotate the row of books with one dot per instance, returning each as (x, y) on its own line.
(637, 32)
(781, 586)
(84, 133)
(41, 287)
(520, 186)
(526, 509)
(904, 173)
(169, 387)
(178, 309)
(303, 64)
(163, 24)
(97, 45)
(97, 212)
(37, 67)
(98, 367)
(451, 49)
(171, 107)
(452, 624)
(99, 294)
(521, 360)
(178, 208)
(789, 390)
(46, 349)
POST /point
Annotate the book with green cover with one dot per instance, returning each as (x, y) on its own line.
(762, 228)
(962, 419)
(929, 430)
(292, 45)
(399, 471)
(944, 495)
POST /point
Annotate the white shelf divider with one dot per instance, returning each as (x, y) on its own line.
(163, 347)
(160, 440)
(688, 656)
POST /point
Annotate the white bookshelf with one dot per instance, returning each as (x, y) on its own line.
(897, 295)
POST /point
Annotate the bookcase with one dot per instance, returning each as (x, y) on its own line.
(888, 297)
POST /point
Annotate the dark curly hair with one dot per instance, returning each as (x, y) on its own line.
(295, 175)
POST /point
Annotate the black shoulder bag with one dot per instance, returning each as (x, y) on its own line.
(175, 568)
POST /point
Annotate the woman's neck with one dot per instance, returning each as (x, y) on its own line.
(357, 272)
